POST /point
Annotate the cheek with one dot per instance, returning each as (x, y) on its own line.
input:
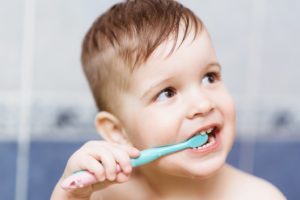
(227, 109)
(225, 102)
(156, 128)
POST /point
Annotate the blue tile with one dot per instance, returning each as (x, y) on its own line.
(8, 155)
(279, 163)
(47, 162)
(234, 154)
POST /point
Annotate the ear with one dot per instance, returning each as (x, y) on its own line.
(110, 128)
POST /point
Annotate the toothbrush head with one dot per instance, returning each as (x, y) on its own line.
(197, 141)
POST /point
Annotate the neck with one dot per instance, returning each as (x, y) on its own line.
(165, 185)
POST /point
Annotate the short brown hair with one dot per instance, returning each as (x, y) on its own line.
(124, 37)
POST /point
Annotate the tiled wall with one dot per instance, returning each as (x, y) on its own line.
(46, 109)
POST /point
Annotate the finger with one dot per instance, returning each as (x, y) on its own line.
(123, 160)
(75, 161)
(100, 151)
(94, 166)
(81, 160)
(132, 151)
(107, 160)
(122, 177)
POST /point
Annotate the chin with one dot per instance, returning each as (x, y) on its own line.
(208, 164)
(195, 169)
(207, 168)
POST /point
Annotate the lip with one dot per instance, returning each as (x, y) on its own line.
(211, 148)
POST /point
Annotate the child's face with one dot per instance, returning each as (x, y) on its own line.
(173, 98)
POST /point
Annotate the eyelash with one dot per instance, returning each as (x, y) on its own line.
(213, 77)
(170, 91)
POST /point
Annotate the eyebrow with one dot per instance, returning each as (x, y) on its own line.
(158, 83)
(214, 64)
(155, 85)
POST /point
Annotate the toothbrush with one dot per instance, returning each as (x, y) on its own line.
(83, 178)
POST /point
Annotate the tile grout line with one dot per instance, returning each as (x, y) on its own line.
(23, 139)
(253, 82)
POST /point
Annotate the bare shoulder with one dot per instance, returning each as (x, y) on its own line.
(251, 187)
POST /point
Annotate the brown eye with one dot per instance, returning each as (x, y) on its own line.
(165, 94)
(210, 78)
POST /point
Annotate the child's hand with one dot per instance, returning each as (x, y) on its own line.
(108, 162)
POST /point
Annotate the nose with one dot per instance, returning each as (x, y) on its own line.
(199, 104)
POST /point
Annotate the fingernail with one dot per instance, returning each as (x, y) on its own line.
(102, 178)
(127, 169)
(112, 177)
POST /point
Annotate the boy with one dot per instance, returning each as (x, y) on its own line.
(156, 79)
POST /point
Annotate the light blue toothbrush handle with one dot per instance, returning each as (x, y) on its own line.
(149, 155)
(146, 156)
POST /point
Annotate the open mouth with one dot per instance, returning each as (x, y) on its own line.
(211, 132)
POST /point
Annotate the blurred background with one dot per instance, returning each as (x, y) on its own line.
(47, 112)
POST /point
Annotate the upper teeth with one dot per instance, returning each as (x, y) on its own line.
(207, 131)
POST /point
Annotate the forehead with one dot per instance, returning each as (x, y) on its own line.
(169, 47)
(193, 51)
